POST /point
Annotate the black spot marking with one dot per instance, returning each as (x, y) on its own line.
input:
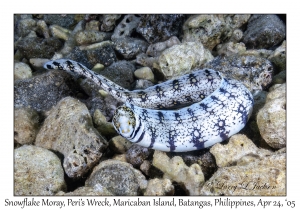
(176, 85)
(143, 96)
(58, 65)
(128, 97)
(172, 139)
(189, 99)
(141, 137)
(161, 117)
(145, 114)
(49, 66)
(178, 118)
(153, 136)
(193, 80)
(159, 92)
(197, 139)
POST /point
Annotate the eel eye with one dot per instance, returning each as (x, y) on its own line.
(129, 123)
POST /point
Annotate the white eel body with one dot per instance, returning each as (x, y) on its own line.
(220, 107)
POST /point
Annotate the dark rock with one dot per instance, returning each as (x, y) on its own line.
(130, 47)
(264, 31)
(156, 28)
(137, 154)
(118, 177)
(66, 21)
(81, 56)
(121, 73)
(43, 91)
(35, 47)
(25, 26)
(254, 72)
(104, 55)
(204, 158)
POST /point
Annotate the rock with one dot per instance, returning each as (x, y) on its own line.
(264, 31)
(126, 27)
(259, 177)
(144, 73)
(79, 55)
(66, 21)
(271, 119)
(59, 32)
(278, 58)
(25, 26)
(103, 54)
(263, 53)
(22, 71)
(38, 63)
(191, 178)
(26, 125)
(101, 124)
(143, 84)
(259, 102)
(43, 91)
(92, 25)
(37, 171)
(147, 168)
(238, 146)
(43, 28)
(89, 37)
(180, 59)
(254, 72)
(106, 106)
(98, 67)
(159, 187)
(70, 44)
(120, 157)
(119, 145)
(117, 177)
(211, 30)
(156, 49)
(144, 60)
(120, 72)
(86, 191)
(156, 28)
(279, 78)
(129, 47)
(137, 154)
(236, 36)
(69, 130)
(231, 48)
(35, 47)
(203, 158)
(109, 21)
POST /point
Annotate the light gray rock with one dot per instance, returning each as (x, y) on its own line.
(22, 71)
(191, 178)
(37, 171)
(180, 59)
(69, 130)
(271, 119)
(253, 176)
(26, 125)
(159, 187)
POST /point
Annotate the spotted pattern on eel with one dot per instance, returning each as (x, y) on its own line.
(216, 108)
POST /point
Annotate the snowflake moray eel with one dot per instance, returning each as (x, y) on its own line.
(220, 107)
